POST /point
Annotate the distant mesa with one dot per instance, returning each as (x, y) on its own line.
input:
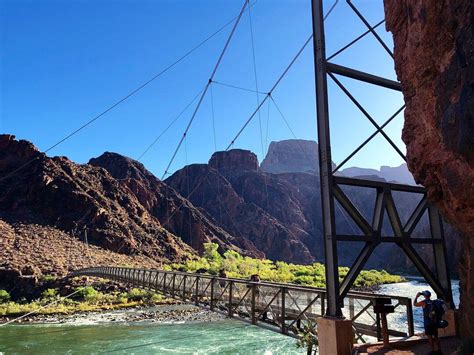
(399, 174)
(291, 156)
(298, 156)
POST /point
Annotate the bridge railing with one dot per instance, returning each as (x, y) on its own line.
(281, 307)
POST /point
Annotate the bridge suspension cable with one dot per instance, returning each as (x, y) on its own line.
(277, 82)
(257, 96)
(216, 66)
(259, 106)
(267, 95)
(130, 94)
(170, 125)
(237, 87)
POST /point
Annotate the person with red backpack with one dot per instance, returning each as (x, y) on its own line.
(432, 318)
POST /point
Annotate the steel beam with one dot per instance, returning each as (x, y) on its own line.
(385, 239)
(363, 76)
(377, 219)
(343, 180)
(416, 216)
(393, 215)
(352, 210)
(368, 116)
(325, 162)
(370, 28)
(356, 268)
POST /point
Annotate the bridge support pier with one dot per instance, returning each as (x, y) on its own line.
(335, 336)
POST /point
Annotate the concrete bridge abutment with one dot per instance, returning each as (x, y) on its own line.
(335, 336)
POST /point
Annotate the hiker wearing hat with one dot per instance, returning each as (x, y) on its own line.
(431, 329)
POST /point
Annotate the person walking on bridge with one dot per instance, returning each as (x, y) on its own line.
(431, 329)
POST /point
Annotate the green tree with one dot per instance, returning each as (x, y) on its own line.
(4, 296)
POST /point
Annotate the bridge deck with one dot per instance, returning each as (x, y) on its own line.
(277, 306)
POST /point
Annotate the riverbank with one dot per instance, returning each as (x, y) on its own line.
(168, 313)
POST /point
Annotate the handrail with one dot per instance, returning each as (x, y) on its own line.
(358, 294)
(281, 307)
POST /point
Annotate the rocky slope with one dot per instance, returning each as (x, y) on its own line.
(173, 212)
(232, 190)
(30, 251)
(60, 193)
(434, 60)
(126, 211)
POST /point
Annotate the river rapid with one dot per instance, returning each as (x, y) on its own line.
(214, 335)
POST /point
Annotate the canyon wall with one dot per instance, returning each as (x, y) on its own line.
(434, 60)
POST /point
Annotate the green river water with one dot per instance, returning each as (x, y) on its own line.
(216, 337)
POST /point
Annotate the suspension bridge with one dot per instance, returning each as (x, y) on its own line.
(280, 307)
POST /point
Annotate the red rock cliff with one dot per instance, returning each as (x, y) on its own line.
(434, 60)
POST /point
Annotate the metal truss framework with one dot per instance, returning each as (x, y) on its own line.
(331, 184)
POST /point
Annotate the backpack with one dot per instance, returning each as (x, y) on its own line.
(436, 312)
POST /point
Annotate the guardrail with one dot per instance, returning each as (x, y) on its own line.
(277, 306)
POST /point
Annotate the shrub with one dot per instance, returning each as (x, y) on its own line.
(4, 296)
(237, 266)
(137, 294)
(90, 294)
(156, 298)
(49, 293)
(48, 278)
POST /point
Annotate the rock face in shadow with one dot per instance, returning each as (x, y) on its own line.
(174, 213)
(434, 60)
(57, 192)
(252, 206)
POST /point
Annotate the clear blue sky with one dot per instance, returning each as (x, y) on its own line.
(63, 62)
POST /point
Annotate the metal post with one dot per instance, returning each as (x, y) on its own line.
(173, 285)
(323, 304)
(411, 327)
(351, 308)
(325, 162)
(379, 331)
(384, 329)
(252, 305)
(231, 313)
(196, 299)
(212, 294)
(184, 288)
(283, 313)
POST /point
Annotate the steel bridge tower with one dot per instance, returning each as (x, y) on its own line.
(331, 184)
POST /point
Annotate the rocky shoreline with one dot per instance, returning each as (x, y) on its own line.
(166, 313)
